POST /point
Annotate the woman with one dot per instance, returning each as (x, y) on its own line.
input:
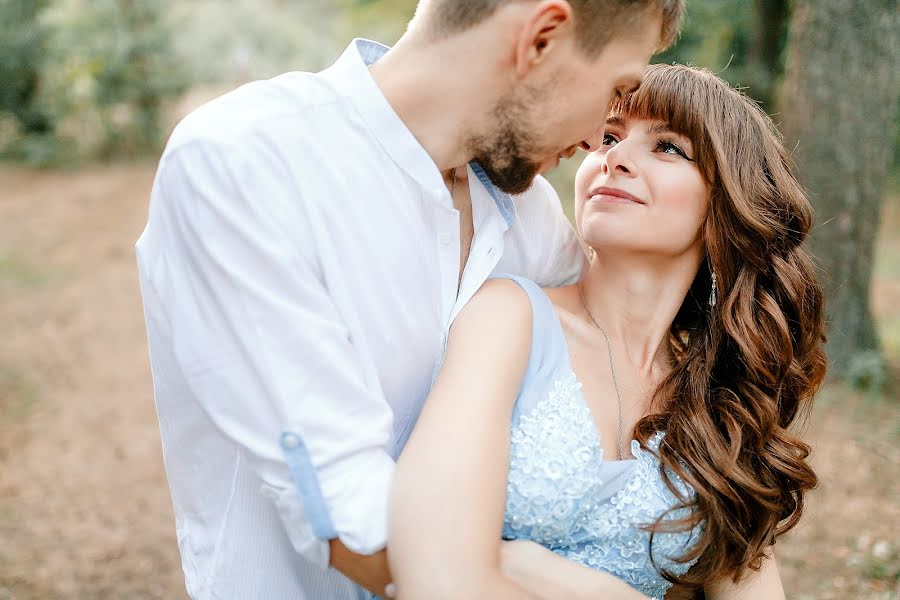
(697, 331)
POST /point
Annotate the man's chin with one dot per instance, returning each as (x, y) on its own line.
(514, 178)
(548, 166)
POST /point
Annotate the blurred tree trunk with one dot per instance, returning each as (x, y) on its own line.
(838, 104)
(764, 61)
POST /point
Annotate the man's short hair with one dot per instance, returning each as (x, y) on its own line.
(596, 21)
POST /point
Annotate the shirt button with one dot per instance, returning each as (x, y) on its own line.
(290, 441)
(444, 239)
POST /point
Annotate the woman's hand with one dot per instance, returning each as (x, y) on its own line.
(520, 560)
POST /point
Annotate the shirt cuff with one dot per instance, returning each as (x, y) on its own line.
(347, 500)
(298, 528)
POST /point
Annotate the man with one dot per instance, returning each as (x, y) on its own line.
(310, 241)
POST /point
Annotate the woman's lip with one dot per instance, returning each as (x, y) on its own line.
(614, 195)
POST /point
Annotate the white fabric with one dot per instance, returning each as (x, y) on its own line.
(299, 274)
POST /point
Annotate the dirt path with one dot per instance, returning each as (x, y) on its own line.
(84, 508)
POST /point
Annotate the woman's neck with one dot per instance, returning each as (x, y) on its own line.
(635, 300)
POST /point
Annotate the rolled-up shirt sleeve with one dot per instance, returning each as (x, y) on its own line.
(263, 346)
(555, 256)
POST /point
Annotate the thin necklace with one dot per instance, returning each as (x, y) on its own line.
(452, 183)
(611, 368)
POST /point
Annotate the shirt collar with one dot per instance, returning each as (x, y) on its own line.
(501, 199)
(351, 78)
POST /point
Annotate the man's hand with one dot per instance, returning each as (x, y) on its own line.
(370, 571)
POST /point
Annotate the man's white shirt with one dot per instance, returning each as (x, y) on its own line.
(299, 274)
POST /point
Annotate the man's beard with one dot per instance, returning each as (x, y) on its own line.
(505, 153)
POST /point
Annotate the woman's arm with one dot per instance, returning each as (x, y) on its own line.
(764, 584)
(449, 487)
(551, 577)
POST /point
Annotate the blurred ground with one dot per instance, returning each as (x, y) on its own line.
(84, 507)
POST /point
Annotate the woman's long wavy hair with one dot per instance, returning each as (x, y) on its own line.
(747, 368)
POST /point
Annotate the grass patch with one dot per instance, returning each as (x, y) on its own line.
(882, 569)
(18, 395)
(16, 271)
(881, 564)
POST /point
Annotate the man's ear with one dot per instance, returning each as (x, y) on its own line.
(548, 24)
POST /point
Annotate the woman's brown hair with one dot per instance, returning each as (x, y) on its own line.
(746, 369)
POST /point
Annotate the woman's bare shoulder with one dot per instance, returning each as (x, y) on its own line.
(500, 302)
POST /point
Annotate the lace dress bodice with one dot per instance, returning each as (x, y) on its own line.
(560, 491)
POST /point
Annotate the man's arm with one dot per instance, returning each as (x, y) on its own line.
(368, 570)
(266, 353)
(557, 255)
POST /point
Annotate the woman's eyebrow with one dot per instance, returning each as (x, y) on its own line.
(615, 122)
(661, 127)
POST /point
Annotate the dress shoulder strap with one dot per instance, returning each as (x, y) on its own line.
(548, 346)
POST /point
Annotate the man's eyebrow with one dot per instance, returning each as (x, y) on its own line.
(615, 122)
(633, 84)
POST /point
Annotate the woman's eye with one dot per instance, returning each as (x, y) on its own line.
(670, 148)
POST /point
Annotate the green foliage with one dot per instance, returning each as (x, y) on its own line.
(743, 42)
(22, 43)
(92, 78)
(381, 20)
(89, 78)
(254, 39)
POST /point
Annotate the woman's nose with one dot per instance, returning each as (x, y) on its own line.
(617, 159)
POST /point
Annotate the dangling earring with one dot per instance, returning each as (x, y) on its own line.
(712, 293)
(590, 253)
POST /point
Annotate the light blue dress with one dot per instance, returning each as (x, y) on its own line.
(562, 494)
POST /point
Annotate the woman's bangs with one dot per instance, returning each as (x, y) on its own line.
(671, 94)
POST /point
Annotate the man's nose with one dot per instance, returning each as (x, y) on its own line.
(593, 141)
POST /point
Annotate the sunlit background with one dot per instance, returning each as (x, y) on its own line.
(89, 91)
